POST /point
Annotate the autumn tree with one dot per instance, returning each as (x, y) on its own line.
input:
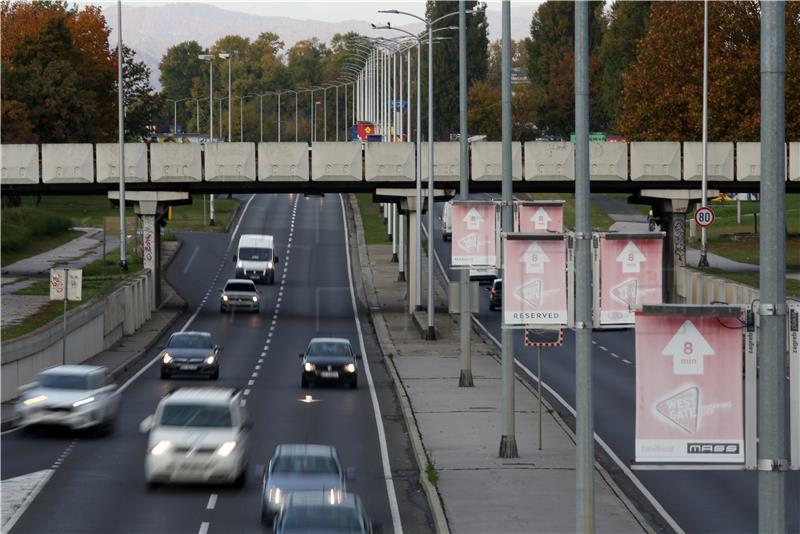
(142, 104)
(484, 110)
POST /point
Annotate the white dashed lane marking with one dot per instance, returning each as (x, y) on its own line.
(212, 502)
(204, 527)
(603, 348)
(614, 354)
(626, 361)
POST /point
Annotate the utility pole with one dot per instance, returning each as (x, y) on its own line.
(773, 453)
(123, 255)
(584, 419)
(704, 187)
(465, 325)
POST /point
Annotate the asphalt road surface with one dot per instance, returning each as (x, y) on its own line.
(99, 486)
(722, 502)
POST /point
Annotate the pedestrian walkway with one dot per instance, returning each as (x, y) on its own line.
(460, 428)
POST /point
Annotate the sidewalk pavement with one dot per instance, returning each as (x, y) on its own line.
(460, 427)
(128, 351)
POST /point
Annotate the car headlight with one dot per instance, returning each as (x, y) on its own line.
(225, 298)
(35, 400)
(161, 447)
(309, 367)
(225, 449)
(166, 358)
(210, 360)
(82, 402)
(269, 265)
(255, 298)
(240, 264)
(350, 368)
(275, 495)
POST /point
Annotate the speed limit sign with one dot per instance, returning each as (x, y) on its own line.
(704, 216)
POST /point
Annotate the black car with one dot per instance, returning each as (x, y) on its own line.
(496, 294)
(192, 353)
(329, 359)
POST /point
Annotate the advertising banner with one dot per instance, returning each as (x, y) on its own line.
(630, 275)
(534, 280)
(540, 217)
(689, 389)
(474, 227)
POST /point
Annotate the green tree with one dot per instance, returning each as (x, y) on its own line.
(142, 104)
(627, 24)
(484, 110)
(180, 68)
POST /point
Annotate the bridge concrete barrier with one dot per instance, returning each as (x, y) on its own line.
(487, 161)
(608, 160)
(748, 162)
(695, 287)
(720, 161)
(91, 328)
(389, 162)
(283, 162)
(446, 161)
(175, 162)
(67, 163)
(656, 161)
(549, 161)
(230, 162)
(336, 162)
(108, 164)
(20, 164)
(794, 162)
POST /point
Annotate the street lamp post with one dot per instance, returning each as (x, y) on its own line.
(123, 256)
(228, 56)
(210, 59)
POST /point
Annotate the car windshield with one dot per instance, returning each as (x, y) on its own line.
(241, 286)
(190, 341)
(329, 348)
(255, 254)
(328, 518)
(317, 465)
(195, 415)
(63, 381)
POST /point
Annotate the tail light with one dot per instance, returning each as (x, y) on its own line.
(494, 292)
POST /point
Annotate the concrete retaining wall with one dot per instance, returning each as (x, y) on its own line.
(695, 287)
(91, 328)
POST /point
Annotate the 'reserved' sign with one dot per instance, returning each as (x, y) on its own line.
(534, 280)
(689, 389)
(630, 275)
(474, 227)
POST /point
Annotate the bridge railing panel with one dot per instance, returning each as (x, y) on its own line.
(230, 162)
(67, 163)
(549, 161)
(487, 161)
(389, 162)
(748, 162)
(283, 162)
(720, 161)
(336, 162)
(794, 161)
(175, 162)
(20, 164)
(608, 161)
(108, 165)
(446, 161)
(656, 161)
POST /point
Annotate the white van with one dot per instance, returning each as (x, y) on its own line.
(255, 258)
(447, 221)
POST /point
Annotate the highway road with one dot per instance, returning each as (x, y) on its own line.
(98, 485)
(722, 502)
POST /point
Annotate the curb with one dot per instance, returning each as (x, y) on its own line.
(234, 217)
(387, 347)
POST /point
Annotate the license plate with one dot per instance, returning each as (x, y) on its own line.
(188, 368)
(329, 374)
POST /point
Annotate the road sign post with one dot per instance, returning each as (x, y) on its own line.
(65, 284)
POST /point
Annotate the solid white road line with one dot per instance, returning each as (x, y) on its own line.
(212, 502)
(191, 259)
(387, 469)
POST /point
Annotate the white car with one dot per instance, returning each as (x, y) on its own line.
(198, 435)
(72, 396)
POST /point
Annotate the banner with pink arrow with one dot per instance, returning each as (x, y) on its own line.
(689, 389)
(540, 217)
(474, 227)
(534, 280)
(630, 275)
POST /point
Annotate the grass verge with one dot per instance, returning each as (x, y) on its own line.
(372, 218)
(600, 219)
(37, 245)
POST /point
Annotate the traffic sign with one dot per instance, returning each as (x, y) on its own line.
(66, 284)
(704, 216)
(689, 388)
(474, 227)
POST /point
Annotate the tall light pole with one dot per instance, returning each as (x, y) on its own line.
(175, 112)
(228, 56)
(465, 321)
(123, 250)
(210, 59)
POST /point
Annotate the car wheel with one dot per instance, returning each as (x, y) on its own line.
(354, 384)
(152, 485)
(221, 309)
(214, 375)
(265, 519)
(165, 375)
(304, 382)
(491, 307)
(241, 479)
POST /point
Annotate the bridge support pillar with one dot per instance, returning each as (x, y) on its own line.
(671, 207)
(393, 211)
(152, 207)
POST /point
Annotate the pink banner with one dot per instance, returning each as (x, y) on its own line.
(630, 274)
(474, 234)
(689, 392)
(534, 281)
(540, 218)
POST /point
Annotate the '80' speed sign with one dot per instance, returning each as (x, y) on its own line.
(704, 216)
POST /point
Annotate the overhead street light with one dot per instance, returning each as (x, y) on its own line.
(210, 58)
(175, 112)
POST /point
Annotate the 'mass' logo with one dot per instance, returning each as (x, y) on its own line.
(712, 448)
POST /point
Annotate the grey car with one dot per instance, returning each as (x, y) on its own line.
(192, 353)
(323, 511)
(299, 467)
(240, 295)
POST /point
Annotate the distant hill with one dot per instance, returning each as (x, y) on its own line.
(151, 29)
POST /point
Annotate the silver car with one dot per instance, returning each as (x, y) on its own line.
(72, 396)
(239, 295)
(300, 467)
